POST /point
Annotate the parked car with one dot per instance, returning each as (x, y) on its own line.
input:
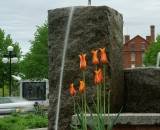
(9, 104)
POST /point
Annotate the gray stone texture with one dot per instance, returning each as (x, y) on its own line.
(92, 27)
(142, 90)
(126, 119)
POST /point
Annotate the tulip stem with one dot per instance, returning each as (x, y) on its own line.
(108, 106)
(97, 86)
(97, 97)
(84, 98)
(82, 103)
(100, 98)
(74, 108)
(104, 83)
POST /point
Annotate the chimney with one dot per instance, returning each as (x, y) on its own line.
(152, 33)
(148, 38)
(126, 38)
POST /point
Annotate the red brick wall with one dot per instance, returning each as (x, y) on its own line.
(134, 127)
(137, 127)
(137, 51)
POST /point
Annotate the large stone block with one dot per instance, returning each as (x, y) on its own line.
(91, 28)
(142, 90)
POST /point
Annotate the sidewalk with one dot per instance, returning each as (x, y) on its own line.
(1, 116)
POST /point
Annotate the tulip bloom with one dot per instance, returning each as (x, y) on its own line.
(82, 61)
(95, 60)
(103, 59)
(81, 88)
(100, 74)
(97, 79)
(72, 90)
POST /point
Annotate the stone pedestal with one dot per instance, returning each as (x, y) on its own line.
(142, 90)
(91, 28)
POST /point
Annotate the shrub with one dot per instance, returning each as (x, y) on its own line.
(22, 122)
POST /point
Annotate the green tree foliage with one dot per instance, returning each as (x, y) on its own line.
(35, 64)
(150, 58)
(4, 67)
(6, 92)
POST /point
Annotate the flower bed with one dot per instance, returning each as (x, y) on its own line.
(18, 120)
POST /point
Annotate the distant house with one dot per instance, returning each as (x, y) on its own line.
(134, 49)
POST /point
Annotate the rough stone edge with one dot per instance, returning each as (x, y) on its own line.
(126, 119)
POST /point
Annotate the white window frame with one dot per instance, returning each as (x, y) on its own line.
(143, 47)
(132, 65)
(143, 55)
(133, 57)
(132, 43)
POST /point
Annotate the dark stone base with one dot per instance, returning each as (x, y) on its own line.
(142, 90)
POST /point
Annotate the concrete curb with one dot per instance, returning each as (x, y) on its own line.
(39, 129)
(126, 119)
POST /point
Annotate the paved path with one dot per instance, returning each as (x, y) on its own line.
(3, 115)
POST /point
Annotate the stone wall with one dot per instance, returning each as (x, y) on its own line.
(91, 28)
(142, 90)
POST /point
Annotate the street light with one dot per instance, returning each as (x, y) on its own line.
(11, 58)
(158, 59)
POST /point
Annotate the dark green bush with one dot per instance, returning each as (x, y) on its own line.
(39, 111)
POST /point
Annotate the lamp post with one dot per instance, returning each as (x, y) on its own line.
(158, 59)
(11, 58)
(89, 2)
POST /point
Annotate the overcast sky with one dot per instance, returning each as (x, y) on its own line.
(20, 17)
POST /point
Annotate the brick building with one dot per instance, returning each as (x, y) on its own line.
(134, 49)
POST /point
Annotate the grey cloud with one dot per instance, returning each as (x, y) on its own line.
(20, 18)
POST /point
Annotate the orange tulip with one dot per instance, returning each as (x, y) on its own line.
(82, 61)
(100, 74)
(95, 60)
(97, 79)
(81, 88)
(103, 59)
(72, 90)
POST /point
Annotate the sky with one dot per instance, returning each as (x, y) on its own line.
(19, 18)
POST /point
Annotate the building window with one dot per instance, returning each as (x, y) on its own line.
(132, 57)
(143, 56)
(132, 45)
(132, 65)
(143, 45)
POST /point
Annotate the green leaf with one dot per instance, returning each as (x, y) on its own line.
(93, 119)
(81, 117)
(74, 127)
(150, 58)
(110, 126)
(92, 127)
(32, 66)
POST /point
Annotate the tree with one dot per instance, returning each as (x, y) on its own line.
(4, 67)
(150, 58)
(35, 64)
